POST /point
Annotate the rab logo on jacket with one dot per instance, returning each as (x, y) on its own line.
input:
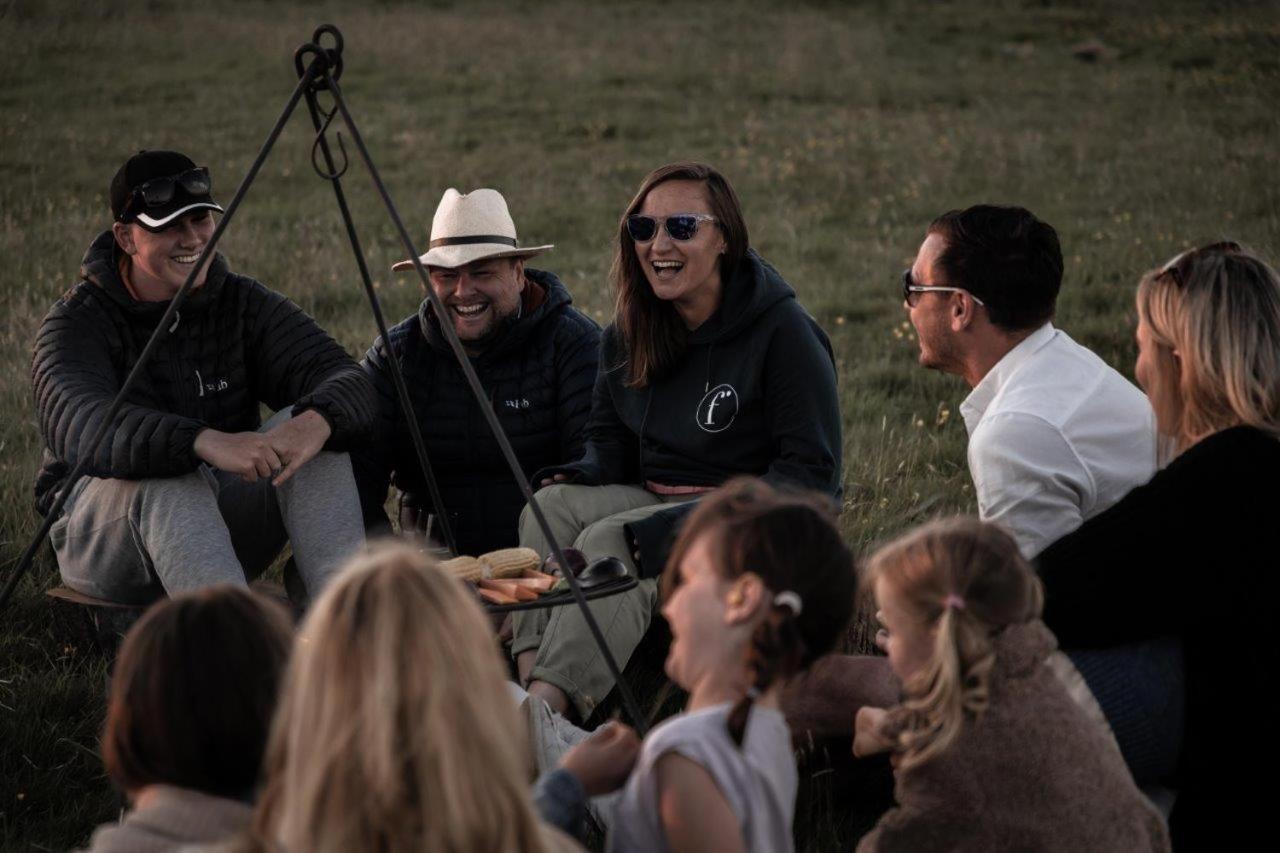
(203, 387)
(718, 409)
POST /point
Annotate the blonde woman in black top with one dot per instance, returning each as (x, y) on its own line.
(1190, 554)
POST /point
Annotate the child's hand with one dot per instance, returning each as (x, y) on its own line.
(882, 633)
(603, 761)
(867, 739)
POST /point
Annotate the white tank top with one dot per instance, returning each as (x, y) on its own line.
(758, 780)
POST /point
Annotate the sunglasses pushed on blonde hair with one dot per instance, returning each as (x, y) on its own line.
(1214, 318)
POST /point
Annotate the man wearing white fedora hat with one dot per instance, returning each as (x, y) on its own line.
(535, 355)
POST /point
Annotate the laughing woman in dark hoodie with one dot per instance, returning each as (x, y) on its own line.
(711, 368)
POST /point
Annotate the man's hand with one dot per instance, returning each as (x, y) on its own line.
(296, 441)
(603, 761)
(557, 478)
(867, 739)
(248, 454)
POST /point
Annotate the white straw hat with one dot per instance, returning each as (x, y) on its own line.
(470, 227)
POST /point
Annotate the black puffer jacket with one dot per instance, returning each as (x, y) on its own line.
(236, 344)
(538, 375)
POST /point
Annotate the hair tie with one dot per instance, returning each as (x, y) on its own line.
(789, 600)
(953, 601)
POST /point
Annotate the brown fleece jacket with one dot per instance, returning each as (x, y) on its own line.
(1032, 772)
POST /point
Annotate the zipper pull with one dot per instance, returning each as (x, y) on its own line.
(177, 318)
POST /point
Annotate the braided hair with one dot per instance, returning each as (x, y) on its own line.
(790, 541)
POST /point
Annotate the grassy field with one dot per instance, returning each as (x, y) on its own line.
(845, 129)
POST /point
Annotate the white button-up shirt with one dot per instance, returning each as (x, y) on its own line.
(1055, 437)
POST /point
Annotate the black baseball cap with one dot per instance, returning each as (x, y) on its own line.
(153, 188)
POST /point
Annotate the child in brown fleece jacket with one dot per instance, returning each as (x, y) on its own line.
(991, 753)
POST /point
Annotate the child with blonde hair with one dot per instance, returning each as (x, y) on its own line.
(991, 752)
(758, 586)
(396, 731)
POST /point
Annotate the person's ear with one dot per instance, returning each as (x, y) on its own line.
(124, 237)
(517, 269)
(963, 311)
(745, 597)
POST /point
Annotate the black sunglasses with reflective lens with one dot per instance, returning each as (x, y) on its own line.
(1178, 268)
(680, 226)
(911, 291)
(158, 191)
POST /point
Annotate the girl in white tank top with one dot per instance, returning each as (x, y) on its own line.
(758, 586)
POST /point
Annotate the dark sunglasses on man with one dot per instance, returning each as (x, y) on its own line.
(911, 291)
(681, 226)
(160, 191)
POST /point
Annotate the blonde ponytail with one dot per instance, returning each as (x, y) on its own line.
(969, 580)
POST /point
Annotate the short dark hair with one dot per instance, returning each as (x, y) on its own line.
(194, 690)
(1006, 257)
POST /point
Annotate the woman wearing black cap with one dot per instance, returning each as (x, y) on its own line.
(185, 491)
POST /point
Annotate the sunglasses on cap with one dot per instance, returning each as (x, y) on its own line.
(681, 226)
(158, 191)
(911, 291)
(1178, 268)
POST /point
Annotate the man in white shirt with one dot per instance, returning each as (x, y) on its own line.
(1055, 434)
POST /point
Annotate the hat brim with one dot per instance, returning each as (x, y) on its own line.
(451, 257)
(159, 223)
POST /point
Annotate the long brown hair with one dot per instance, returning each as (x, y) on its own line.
(967, 578)
(396, 731)
(1214, 317)
(653, 336)
(791, 542)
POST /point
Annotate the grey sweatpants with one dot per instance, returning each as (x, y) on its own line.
(133, 541)
(591, 519)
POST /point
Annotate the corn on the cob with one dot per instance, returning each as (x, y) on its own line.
(464, 568)
(510, 562)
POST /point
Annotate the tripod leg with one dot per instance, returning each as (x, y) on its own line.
(397, 375)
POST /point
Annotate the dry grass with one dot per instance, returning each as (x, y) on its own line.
(845, 128)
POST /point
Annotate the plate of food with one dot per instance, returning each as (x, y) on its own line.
(519, 579)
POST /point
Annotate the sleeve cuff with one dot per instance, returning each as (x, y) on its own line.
(561, 801)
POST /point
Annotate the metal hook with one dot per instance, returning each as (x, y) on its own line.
(315, 147)
(332, 56)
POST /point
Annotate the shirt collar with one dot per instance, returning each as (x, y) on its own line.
(975, 405)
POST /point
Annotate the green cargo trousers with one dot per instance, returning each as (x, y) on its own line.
(591, 519)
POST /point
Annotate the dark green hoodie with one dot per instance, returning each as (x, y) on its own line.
(754, 394)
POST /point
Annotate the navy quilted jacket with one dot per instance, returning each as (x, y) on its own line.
(236, 344)
(538, 376)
